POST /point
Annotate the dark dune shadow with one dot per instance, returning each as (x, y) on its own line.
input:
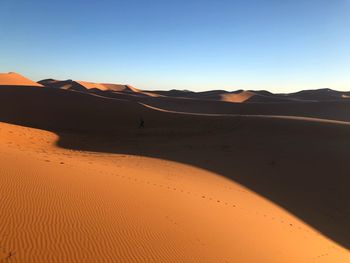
(299, 165)
(304, 170)
(337, 110)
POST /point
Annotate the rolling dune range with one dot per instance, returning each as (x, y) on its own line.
(84, 184)
(322, 103)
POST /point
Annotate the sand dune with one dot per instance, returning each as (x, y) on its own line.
(252, 96)
(86, 86)
(334, 110)
(14, 79)
(206, 180)
(107, 87)
(261, 96)
(73, 206)
(83, 85)
(238, 96)
(217, 95)
(318, 95)
(323, 103)
(58, 84)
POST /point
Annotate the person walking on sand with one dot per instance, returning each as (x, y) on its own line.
(142, 123)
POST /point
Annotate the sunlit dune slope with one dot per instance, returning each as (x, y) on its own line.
(14, 79)
(253, 96)
(104, 87)
(240, 97)
(61, 205)
(85, 86)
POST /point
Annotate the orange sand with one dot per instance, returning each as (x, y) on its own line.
(14, 79)
(240, 97)
(69, 206)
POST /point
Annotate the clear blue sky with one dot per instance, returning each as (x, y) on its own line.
(279, 45)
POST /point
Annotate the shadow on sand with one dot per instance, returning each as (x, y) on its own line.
(300, 165)
(306, 173)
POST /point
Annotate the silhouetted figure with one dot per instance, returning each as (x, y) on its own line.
(142, 123)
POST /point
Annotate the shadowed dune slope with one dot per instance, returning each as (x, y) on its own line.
(238, 96)
(299, 164)
(333, 110)
(62, 84)
(318, 95)
(259, 95)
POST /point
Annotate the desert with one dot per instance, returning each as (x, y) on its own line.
(209, 178)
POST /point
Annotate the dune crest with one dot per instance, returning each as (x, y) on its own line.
(14, 79)
(86, 86)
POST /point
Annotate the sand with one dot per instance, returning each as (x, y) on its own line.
(14, 79)
(240, 97)
(100, 88)
(61, 205)
(81, 183)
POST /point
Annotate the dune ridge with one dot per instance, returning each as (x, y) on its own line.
(85, 86)
(14, 79)
(238, 96)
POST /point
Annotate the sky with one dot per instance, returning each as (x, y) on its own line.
(277, 45)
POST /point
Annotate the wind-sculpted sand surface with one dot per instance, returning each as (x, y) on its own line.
(61, 205)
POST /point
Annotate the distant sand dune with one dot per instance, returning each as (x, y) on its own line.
(333, 110)
(241, 97)
(14, 79)
(258, 96)
(238, 96)
(96, 87)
